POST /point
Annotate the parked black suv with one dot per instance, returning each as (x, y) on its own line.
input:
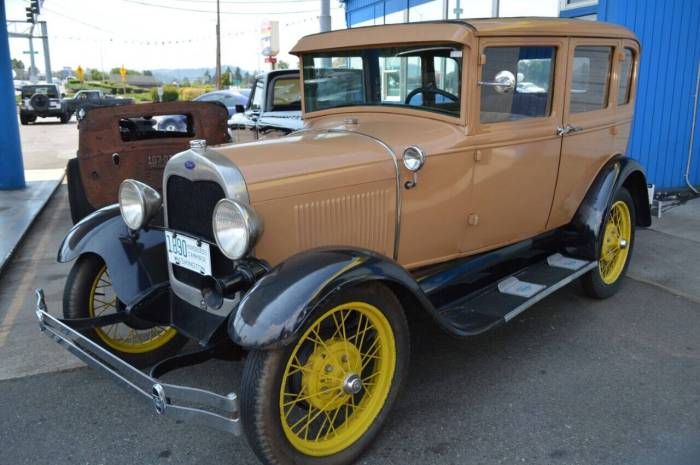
(41, 100)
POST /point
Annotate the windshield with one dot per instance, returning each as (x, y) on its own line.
(50, 91)
(426, 77)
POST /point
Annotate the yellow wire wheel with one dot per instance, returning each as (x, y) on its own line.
(617, 239)
(119, 336)
(337, 379)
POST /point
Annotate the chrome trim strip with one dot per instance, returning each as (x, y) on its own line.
(397, 226)
(167, 399)
(545, 292)
(209, 165)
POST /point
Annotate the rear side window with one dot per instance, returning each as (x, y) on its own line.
(590, 82)
(625, 86)
(533, 70)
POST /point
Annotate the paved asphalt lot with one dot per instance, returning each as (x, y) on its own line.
(48, 143)
(571, 381)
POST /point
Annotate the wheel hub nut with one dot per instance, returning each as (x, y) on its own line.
(352, 384)
(623, 244)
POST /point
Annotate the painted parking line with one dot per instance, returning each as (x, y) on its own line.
(24, 289)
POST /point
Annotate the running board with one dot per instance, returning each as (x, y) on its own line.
(502, 301)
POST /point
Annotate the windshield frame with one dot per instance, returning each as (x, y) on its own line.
(459, 117)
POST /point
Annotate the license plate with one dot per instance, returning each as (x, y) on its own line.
(188, 252)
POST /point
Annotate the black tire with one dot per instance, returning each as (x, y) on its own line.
(77, 200)
(264, 371)
(592, 282)
(76, 301)
(65, 117)
(24, 120)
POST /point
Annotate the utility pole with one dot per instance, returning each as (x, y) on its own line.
(495, 8)
(218, 46)
(325, 18)
(47, 55)
(32, 65)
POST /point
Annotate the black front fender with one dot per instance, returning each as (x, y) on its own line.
(275, 309)
(588, 222)
(135, 262)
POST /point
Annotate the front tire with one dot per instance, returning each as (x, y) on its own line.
(615, 250)
(88, 293)
(323, 399)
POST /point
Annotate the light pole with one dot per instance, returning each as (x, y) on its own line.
(325, 17)
(218, 46)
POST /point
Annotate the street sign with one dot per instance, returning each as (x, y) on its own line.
(80, 73)
(270, 38)
(122, 73)
(271, 60)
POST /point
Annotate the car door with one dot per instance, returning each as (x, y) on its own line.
(514, 138)
(591, 122)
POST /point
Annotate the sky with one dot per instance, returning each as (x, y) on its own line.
(153, 34)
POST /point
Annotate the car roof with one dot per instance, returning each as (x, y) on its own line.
(460, 31)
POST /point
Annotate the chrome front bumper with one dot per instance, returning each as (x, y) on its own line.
(214, 410)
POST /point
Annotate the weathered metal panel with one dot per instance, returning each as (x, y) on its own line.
(670, 39)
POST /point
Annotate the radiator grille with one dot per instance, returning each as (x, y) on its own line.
(361, 220)
(190, 208)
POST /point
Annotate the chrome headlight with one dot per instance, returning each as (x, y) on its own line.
(138, 203)
(236, 228)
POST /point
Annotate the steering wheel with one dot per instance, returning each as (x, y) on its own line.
(430, 90)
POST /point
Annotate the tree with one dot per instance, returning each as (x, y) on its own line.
(237, 76)
(186, 83)
(207, 77)
(17, 64)
(95, 75)
(227, 77)
(147, 73)
(282, 65)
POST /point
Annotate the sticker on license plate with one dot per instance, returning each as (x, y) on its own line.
(188, 252)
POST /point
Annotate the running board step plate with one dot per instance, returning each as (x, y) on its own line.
(504, 300)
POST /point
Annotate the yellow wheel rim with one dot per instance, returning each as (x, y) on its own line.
(120, 336)
(337, 379)
(616, 243)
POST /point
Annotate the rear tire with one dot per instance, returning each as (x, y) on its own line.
(82, 298)
(24, 120)
(276, 394)
(65, 118)
(613, 259)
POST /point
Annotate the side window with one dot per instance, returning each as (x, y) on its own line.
(257, 101)
(533, 70)
(625, 85)
(590, 82)
(286, 94)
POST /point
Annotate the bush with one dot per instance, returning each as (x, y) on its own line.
(190, 93)
(170, 94)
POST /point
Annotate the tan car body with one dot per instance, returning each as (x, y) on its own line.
(483, 185)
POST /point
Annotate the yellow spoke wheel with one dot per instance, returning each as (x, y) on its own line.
(119, 336)
(337, 379)
(617, 238)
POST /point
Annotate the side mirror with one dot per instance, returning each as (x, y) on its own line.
(503, 82)
(240, 108)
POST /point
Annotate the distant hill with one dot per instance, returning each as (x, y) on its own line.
(178, 74)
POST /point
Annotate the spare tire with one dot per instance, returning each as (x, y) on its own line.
(39, 102)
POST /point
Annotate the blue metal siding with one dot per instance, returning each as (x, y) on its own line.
(670, 38)
(357, 11)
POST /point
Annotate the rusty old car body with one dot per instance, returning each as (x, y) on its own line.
(120, 142)
(466, 169)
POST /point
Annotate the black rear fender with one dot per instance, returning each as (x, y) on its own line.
(136, 262)
(588, 221)
(275, 309)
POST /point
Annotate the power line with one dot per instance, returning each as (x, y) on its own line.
(195, 10)
(77, 20)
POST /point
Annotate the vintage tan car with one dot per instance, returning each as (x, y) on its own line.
(466, 169)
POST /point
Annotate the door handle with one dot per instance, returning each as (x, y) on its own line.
(562, 131)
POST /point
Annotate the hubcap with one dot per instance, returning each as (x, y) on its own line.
(337, 379)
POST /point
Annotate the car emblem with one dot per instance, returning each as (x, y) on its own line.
(189, 164)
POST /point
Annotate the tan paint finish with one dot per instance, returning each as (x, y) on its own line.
(483, 185)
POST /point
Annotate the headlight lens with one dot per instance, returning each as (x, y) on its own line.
(413, 158)
(236, 228)
(138, 203)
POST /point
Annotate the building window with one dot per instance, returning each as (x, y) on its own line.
(533, 68)
(570, 4)
(625, 87)
(590, 82)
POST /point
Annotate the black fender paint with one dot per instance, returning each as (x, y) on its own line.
(588, 221)
(136, 262)
(272, 312)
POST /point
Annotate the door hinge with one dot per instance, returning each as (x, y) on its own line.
(477, 155)
(473, 219)
(482, 59)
